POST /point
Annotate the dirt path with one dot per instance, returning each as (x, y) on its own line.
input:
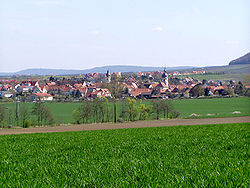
(138, 124)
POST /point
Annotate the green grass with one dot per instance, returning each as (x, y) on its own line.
(208, 76)
(221, 107)
(188, 156)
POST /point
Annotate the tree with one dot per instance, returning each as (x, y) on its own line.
(157, 107)
(38, 111)
(78, 94)
(106, 107)
(11, 117)
(96, 110)
(228, 91)
(144, 111)
(206, 91)
(77, 116)
(87, 111)
(166, 107)
(47, 116)
(2, 115)
(115, 111)
(240, 89)
(130, 109)
(43, 114)
(197, 91)
(24, 113)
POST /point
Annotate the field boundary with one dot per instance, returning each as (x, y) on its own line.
(137, 124)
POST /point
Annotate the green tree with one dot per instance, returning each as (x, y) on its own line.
(38, 111)
(157, 107)
(78, 94)
(166, 107)
(2, 115)
(130, 110)
(24, 113)
(47, 116)
(197, 91)
(240, 89)
(87, 111)
(77, 116)
(144, 111)
(43, 114)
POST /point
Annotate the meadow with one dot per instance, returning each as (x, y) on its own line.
(216, 107)
(186, 156)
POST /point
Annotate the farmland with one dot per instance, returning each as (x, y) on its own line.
(190, 156)
(217, 107)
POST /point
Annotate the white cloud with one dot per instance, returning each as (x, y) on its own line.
(157, 29)
(44, 3)
(95, 32)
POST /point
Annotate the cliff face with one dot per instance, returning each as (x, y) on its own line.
(241, 60)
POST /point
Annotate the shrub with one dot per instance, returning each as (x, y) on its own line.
(175, 114)
(120, 120)
(27, 123)
(77, 116)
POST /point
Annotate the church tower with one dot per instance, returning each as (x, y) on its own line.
(165, 77)
(108, 76)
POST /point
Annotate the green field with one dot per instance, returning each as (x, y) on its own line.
(186, 156)
(220, 107)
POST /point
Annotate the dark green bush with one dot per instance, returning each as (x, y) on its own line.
(174, 114)
(27, 123)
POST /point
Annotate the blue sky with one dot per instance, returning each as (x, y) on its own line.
(80, 34)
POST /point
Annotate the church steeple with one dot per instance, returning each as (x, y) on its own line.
(108, 77)
(165, 77)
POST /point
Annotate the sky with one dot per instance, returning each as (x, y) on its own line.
(81, 34)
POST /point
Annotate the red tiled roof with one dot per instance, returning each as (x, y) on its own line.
(42, 94)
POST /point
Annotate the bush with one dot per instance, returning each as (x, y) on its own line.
(27, 123)
(174, 114)
(120, 120)
(77, 116)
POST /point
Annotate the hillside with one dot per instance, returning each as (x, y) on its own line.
(241, 60)
(112, 68)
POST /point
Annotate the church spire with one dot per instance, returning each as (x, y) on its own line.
(165, 77)
(108, 77)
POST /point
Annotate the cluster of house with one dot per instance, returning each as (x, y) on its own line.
(33, 90)
(50, 90)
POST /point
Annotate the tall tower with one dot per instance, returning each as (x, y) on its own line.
(108, 76)
(165, 77)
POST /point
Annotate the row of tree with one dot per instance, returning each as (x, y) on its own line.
(23, 116)
(101, 110)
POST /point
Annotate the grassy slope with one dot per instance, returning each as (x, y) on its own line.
(223, 106)
(216, 77)
(189, 156)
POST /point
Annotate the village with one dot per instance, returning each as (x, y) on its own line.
(142, 85)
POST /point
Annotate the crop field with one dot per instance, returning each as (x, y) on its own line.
(188, 156)
(216, 107)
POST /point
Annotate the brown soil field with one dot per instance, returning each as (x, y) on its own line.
(137, 124)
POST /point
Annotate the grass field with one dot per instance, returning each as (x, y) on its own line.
(220, 107)
(188, 156)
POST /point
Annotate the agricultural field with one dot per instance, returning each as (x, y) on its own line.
(216, 107)
(188, 156)
(215, 77)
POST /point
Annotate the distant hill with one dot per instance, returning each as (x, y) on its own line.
(241, 60)
(112, 68)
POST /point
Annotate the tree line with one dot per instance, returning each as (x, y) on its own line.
(21, 115)
(102, 110)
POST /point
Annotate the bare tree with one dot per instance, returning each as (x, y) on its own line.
(2, 115)
(24, 113)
